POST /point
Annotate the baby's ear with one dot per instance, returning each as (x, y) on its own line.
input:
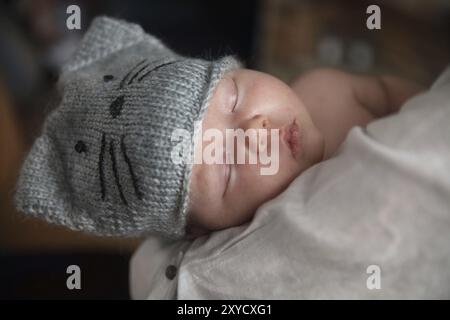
(105, 36)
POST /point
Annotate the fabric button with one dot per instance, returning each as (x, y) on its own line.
(171, 272)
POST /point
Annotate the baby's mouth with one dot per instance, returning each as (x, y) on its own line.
(291, 136)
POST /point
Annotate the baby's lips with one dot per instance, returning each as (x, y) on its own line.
(291, 136)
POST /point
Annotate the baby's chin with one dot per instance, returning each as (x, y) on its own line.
(311, 139)
(312, 142)
(310, 152)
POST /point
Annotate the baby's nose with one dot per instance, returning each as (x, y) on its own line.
(255, 143)
(257, 122)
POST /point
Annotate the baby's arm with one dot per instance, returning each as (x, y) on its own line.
(383, 95)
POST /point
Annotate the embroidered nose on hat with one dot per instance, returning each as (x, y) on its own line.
(103, 161)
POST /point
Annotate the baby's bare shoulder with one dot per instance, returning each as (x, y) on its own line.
(336, 88)
(326, 90)
(322, 77)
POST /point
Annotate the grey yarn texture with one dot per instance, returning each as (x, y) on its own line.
(103, 161)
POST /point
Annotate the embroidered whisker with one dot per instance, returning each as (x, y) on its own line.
(138, 193)
(122, 82)
(156, 68)
(137, 73)
(100, 166)
(116, 173)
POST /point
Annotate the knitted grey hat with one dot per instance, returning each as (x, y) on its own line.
(103, 161)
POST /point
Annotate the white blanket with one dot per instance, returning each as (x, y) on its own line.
(381, 205)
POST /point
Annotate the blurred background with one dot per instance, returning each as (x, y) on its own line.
(281, 37)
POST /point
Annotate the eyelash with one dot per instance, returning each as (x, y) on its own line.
(229, 169)
(237, 95)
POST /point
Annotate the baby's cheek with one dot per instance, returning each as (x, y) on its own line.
(250, 193)
(238, 216)
(260, 188)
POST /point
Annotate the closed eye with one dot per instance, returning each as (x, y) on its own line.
(234, 96)
(227, 176)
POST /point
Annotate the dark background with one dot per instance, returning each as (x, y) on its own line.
(281, 37)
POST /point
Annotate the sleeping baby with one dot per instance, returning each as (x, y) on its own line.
(104, 162)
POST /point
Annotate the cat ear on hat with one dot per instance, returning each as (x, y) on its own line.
(105, 36)
(43, 190)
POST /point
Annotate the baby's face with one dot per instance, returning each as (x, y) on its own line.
(226, 195)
